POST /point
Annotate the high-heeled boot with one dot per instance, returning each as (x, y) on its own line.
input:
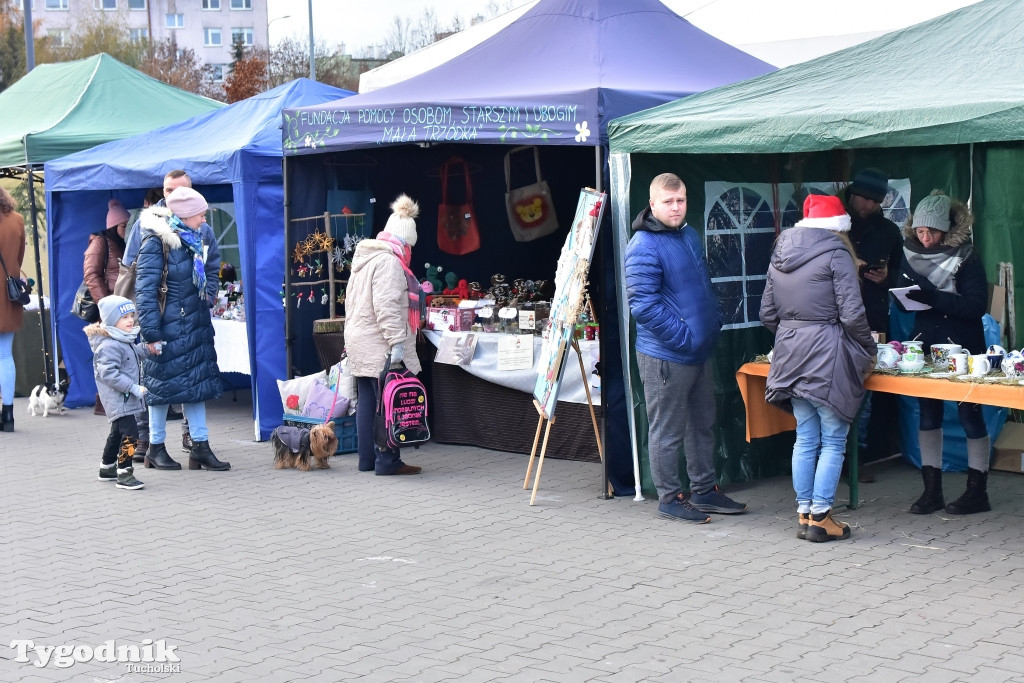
(7, 418)
(158, 457)
(931, 500)
(201, 456)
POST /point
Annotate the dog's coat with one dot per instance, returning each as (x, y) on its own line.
(296, 446)
(46, 399)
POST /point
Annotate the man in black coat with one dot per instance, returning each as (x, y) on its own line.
(879, 246)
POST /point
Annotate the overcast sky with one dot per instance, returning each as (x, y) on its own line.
(359, 23)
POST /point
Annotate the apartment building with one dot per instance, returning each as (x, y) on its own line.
(208, 27)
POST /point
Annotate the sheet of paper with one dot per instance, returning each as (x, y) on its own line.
(456, 348)
(515, 352)
(908, 304)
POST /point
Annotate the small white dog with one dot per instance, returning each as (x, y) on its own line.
(47, 399)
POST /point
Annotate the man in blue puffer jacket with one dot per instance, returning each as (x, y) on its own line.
(677, 324)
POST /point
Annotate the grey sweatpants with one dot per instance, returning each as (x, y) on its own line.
(680, 412)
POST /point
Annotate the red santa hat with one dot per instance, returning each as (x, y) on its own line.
(824, 211)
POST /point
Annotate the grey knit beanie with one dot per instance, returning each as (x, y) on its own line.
(113, 308)
(933, 212)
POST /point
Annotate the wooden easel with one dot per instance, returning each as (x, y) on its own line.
(547, 431)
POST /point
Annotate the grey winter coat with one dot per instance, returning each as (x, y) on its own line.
(812, 303)
(186, 371)
(117, 369)
(377, 310)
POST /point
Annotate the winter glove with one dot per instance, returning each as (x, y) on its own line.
(924, 296)
(137, 390)
(397, 354)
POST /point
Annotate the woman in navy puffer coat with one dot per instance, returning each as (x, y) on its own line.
(186, 370)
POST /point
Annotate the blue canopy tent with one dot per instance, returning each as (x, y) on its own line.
(553, 78)
(232, 154)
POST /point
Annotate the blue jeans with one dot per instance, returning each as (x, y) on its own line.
(195, 413)
(817, 455)
(7, 368)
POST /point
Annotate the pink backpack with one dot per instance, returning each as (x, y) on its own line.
(401, 418)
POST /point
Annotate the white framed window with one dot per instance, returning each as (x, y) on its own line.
(217, 73)
(241, 4)
(211, 4)
(57, 4)
(104, 4)
(211, 37)
(58, 37)
(244, 33)
(175, 21)
(138, 34)
(20, 4)
(137, 4)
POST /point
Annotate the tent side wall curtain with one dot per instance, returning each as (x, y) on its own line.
(260, 217)
(927, 167)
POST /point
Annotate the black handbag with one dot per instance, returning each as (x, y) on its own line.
(84, 307)
(17, 289)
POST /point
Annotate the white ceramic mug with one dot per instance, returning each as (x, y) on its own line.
(887, 357)
(978, 365)
(958, 363)
(941, 354)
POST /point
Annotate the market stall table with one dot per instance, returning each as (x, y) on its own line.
(232, 344)
(482, 406)
(764, 419)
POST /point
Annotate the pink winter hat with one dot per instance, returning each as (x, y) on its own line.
(185, 202)
(116, 213)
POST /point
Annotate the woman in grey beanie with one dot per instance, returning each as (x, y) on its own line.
(939, 257)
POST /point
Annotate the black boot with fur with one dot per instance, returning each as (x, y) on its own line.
(931, 500)
(975, 498)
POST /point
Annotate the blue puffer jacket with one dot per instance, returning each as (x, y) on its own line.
(669, 292)
(186, 371)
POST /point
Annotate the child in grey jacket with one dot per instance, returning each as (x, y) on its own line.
(118, 375)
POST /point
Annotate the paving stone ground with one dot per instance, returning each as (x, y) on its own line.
(267, 575)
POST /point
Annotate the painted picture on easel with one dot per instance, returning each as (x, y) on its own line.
(570, 287)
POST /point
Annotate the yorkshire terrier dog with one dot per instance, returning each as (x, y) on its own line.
(295, 447)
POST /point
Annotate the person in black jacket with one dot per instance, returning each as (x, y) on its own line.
(939, 257)
(879, 248)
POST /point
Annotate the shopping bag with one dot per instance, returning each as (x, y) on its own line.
(457, 229)
(531, 214)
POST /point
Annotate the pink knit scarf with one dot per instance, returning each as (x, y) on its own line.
(404, 253)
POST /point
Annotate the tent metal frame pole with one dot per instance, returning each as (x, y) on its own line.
(34, 220)
(287, 274)
(599, 185)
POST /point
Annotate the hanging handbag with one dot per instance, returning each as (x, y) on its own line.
(125, 285)
(17, 289)
(531, 213)
(457, 229)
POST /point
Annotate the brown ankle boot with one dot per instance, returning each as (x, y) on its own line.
(821, 527)
(803, 518)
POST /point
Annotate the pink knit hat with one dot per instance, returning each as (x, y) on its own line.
(184, 202)
(116, 214)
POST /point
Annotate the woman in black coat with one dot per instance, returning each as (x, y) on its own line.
(939, 257)
(186, 370)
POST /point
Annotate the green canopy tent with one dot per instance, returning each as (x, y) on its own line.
(57, 109)
(940, 103)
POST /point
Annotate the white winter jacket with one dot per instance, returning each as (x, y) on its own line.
(377, 310)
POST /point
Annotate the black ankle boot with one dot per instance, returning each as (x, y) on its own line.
(158, 457)
(931, 500)
(202, 456)
(975, 498)
(7, 418)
